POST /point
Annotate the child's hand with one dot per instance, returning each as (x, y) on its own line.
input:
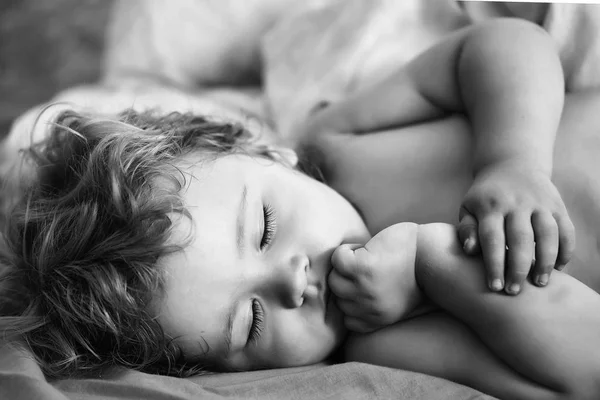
(375, 285)
(516, 217)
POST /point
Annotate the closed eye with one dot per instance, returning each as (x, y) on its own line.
(269, 226)
(257, 322)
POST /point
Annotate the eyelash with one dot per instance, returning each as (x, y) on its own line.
(257, 322)
(268, 234)
(269, 230)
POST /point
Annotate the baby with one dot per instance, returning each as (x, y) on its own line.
(175, 243)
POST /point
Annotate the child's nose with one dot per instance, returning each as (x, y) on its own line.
(288, 281)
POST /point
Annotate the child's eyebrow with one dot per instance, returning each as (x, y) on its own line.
(241, 223)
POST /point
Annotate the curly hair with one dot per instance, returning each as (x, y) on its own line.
(81, 246)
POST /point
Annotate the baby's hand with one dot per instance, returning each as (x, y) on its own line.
(514, 214)
(375, 285)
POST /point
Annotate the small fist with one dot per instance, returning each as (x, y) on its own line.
(375, 285)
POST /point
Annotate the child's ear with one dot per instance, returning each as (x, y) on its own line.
(285, 155)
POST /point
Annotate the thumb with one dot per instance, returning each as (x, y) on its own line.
(344, 261)
(468, 232)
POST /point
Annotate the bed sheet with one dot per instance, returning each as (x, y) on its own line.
(21, 378)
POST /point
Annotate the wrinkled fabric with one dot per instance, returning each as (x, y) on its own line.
(21, 378)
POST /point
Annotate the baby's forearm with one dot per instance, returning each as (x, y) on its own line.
(550, 335)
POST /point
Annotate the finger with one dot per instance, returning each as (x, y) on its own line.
(344, 261)
(349, 307)
(519, 238)
(566, 238)
(545, 230)
(357, 325)
(467, 232)
(493, 249)
(342, 287)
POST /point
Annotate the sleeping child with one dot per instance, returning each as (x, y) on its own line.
(176, 244)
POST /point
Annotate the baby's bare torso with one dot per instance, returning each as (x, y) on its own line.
(421, 173)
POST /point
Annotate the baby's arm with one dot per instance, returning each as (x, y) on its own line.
(507, 77)
(505, 74)
(550, 336)
(541, 344)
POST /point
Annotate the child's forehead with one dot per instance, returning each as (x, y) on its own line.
(222, 175)
(201, 162)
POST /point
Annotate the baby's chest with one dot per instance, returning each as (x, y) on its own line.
(418, 173)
